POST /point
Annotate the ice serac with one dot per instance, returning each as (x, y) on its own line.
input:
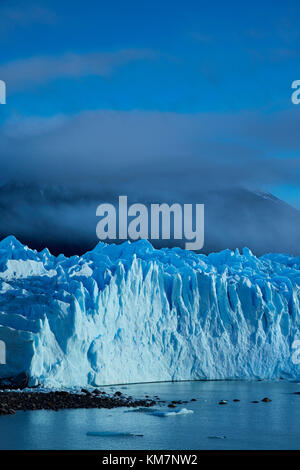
(130, 313)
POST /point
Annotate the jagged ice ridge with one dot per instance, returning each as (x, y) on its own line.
(131, 313)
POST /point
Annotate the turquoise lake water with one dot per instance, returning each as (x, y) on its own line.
(241, 425)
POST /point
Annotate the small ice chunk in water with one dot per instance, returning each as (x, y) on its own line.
(164, 414)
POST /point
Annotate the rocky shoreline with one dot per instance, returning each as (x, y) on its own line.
(12, 400)
(16, 395)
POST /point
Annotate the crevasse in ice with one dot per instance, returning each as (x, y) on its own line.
(131, 313)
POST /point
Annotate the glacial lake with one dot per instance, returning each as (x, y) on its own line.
(237, 425)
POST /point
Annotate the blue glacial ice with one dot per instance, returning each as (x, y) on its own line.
(130, 313)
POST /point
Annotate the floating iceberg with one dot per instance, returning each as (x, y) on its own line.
(165, 414)
(130, 313)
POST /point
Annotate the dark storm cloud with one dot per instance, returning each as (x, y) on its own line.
(209, 149)
(152, 157)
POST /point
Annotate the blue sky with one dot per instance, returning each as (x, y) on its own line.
(217, 73)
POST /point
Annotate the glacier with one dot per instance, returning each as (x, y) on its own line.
(130, 313)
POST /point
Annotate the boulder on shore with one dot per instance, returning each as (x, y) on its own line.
(18, 382)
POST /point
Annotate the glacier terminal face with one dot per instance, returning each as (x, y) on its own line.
(130, 313)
